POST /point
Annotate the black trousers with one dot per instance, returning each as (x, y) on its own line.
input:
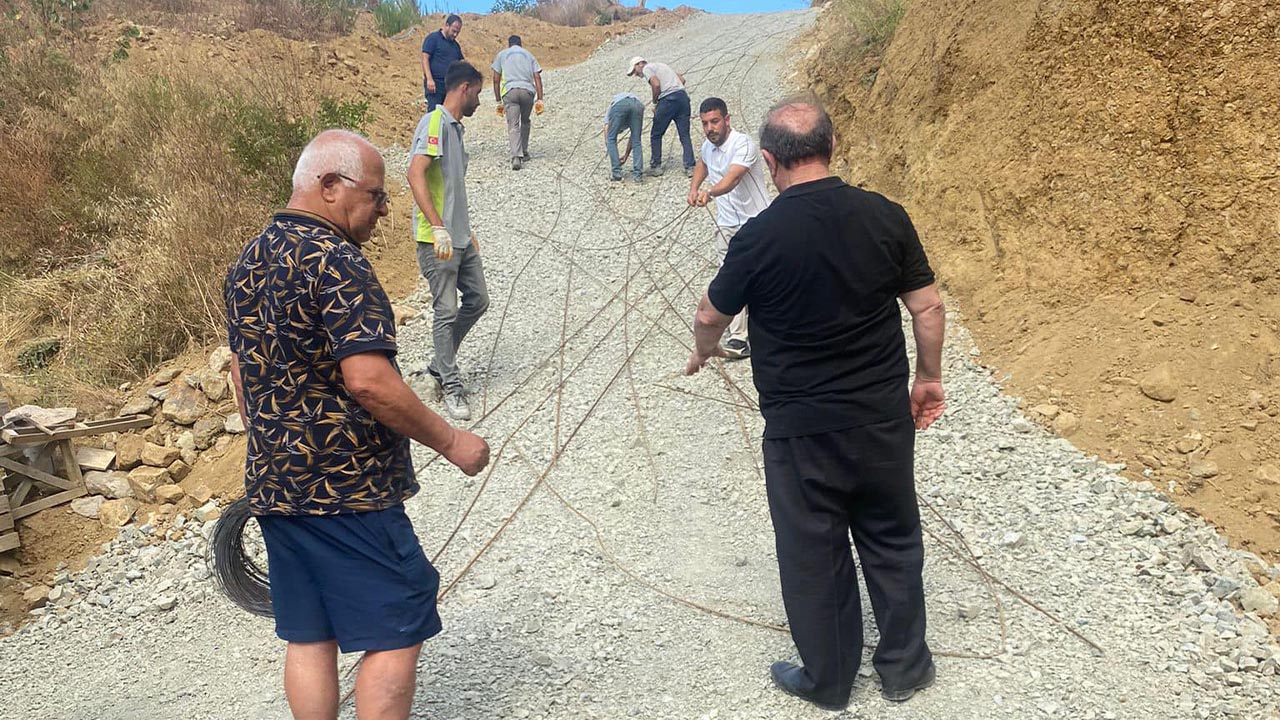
(822, 488)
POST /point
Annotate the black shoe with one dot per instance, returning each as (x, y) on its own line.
(737, 349)
(616, 178)
(655, 171)
(790, 678)
(906, 693)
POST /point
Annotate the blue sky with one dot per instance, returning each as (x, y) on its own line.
(736, 6)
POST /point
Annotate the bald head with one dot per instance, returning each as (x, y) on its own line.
(798, 131)
(335, 151)
(340, 177)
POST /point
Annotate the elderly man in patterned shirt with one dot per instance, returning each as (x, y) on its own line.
(329, 421)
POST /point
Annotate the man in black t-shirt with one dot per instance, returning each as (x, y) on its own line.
(823, 269)
(440, 49)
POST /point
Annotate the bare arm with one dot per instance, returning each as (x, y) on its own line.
(656, 87)
(699, 177)
(235, 380)
(708, 325)
(537, 83)
(417, 178)
(374, 383)
(929, 326)
(497, 86)
(728, 182)
(682, 82)
(426, 72)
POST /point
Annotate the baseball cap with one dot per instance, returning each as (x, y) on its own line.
(631, 66)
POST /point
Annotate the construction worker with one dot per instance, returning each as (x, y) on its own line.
(517, 86)
(626, 112)
(670, 104)
(731, 161)
(440, 49)
(448, 252)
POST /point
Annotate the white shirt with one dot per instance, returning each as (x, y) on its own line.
(750, 197)
(668, 80)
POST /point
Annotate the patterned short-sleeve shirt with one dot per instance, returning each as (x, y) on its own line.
(300, 298)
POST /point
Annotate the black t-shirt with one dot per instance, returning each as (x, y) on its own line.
(821, 270)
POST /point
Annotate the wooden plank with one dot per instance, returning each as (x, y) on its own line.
(42, 476)
(6, 522)
(36, 506)
(69, 463)
(20, 494)
(28, 436)
(10, 541)
(4, 503)
(94, 459)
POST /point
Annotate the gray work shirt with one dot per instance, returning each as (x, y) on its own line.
(439, 137)
(668, 80)
(517, 67)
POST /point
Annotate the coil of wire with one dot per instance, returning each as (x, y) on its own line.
(232, 564)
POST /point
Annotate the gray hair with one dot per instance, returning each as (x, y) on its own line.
(797, 129)
(332, 151)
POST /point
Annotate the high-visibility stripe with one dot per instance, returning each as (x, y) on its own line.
(435, 176)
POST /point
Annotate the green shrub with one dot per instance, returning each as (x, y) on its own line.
(874, 21)
(393, 17)
(266, 140)
(521, 7)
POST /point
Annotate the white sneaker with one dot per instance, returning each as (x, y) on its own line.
(455, 403)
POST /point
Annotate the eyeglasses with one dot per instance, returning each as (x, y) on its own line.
(380, 196)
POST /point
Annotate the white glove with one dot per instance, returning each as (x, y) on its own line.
(444, 242)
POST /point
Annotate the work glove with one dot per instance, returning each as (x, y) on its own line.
(444, 243)
(539, 106)
(502, 110)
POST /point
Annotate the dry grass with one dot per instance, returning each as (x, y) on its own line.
(579, 13)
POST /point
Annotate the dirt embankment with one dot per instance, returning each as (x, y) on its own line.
(1097, 184)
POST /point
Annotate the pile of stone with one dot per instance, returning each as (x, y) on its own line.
(195, 413)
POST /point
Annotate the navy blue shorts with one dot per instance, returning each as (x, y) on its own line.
(361, 579)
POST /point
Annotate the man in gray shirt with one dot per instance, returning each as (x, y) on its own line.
(517, 86)
(448, 252)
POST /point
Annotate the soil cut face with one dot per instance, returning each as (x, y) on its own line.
(1096, 184)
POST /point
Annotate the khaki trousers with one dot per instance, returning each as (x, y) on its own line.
(738, 327)
(517, 103)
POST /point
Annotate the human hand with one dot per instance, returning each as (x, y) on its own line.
(431, 85)
(444, 242)
(928, 402)
(539, 106)
(693, 197)
(502, 110)
(697, 360)
(704, 197)
(475, 241)
(468, 451)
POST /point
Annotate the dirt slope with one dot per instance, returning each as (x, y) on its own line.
(1097, 183)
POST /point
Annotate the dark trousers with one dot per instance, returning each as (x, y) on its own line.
(674, 107)
(433, 98)
(822, 488)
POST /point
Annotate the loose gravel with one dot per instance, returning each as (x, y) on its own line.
(547, 625)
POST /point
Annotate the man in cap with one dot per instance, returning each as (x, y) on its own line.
(670, 104)
(517, 86)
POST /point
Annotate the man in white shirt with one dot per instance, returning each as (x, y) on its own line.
(731, 161)
(670, 104)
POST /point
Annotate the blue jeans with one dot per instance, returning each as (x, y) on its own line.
(462, 274)
(672, 107)
(627, 115)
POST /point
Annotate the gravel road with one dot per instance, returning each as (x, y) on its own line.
(647, 487)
